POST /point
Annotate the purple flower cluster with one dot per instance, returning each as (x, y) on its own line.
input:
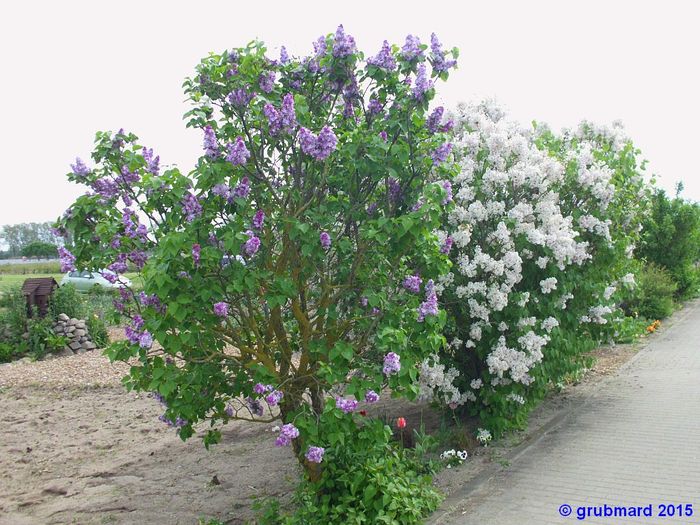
(319, 147)
(319, 52)
(325, 240)
(240, 97)
(129, 177)
(433, 122)
(447, 186)
(374, 107)
(139, 258)
(258, 219)
(384, 58)
(179, 422)
(150, 300)
(394, 189)
(383, 136)
(371, 396)
(135, 335)
(274, 397)
(255, 406)
(159, 397)
(191, 207)
(67, 259)
(346, 405)
(238, 154)
(441, 153)
(315, 454)
(222, 190)
(110, 276)
(196, 253)
(446, 246)
(348, 108)
(79, 168)
(438, 56)
(284, 56)
(221, 309)
(392, 364)
(105, 188)
(423, 84)
(152, 163)
(412, 283)
(211, 146)
(261, 389)
(120, 265)
(287, 433)
(132, 228)
(411, 48)
(242, 189)
(283, 120)
(252, 245)
(343, 44)
(116, 242)
(430, 306)
(267, 81)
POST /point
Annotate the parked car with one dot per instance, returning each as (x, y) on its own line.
(85, 281)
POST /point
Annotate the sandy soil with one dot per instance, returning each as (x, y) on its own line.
(89, 455)
(75, 447)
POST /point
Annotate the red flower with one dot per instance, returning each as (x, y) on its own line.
(401, 423)
(363, 412)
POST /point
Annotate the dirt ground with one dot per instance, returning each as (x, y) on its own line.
(87, 455)
(75, 447)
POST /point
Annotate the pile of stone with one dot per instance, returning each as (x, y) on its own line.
(77, 333)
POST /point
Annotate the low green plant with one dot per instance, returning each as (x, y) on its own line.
(67, 300)
(629, 329)
(9, 352)
(267, 512)
(655, 293)
(41, 337)
(14, 315)
(97, 330)
(369, 480)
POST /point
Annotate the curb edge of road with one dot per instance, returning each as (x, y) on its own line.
(475, 485)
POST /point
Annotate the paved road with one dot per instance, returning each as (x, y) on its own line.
(636, 442)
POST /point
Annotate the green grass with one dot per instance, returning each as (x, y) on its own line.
(9, 281)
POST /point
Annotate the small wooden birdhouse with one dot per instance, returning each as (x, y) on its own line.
(37, 291)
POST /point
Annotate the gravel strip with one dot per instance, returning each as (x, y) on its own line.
(90, 369)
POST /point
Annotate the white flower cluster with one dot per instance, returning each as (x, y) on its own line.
(483, 436)
(434, 381)
(454, 457)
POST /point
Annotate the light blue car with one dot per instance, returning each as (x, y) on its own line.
(86, 281)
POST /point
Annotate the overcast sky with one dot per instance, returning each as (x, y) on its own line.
(71, 68)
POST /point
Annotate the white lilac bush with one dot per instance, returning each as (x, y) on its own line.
(539, 235)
